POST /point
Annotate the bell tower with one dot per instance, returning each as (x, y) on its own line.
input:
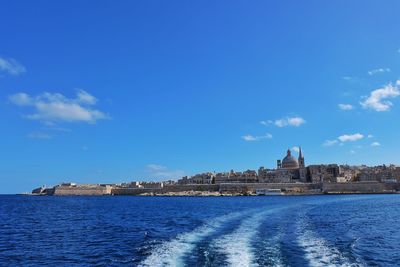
(302, 167)
(301, 159)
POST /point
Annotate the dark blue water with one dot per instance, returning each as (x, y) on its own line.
(209, 231)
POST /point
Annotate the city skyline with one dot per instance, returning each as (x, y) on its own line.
(106, 92)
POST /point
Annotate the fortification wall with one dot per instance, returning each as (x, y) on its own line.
(251, 188)
(192, 187)
(82, 190)
(359, 187)
(231, 188)
(165, 189)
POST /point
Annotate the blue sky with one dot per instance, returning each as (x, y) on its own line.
(112, 91)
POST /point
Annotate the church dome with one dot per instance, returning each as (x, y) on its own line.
(290, 162)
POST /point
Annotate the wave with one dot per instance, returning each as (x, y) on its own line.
(318, 251)
(272, 249)
(172, 253)
(237, 246)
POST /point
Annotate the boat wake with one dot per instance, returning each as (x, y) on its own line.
(257, 237)
(172, 253)
(319, 252)
(237, 246)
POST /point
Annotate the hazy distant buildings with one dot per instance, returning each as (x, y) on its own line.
(383, 173)
(248, 176)
(288, 170)
(203, 178)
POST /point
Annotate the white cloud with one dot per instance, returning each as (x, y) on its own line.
(351, 137)
(345, 106)
(266, 122)
(377, 99)
(352, 152)
(11, 66)
(330, 142)
(54, 107)
(375, 144)
(296, 149)
(85, 98)
(251, 138)
(376, 71)
(162, 172)
(344, 138)
(290, 121)
(39, 135)
(21, 99)
(370, 136)
(348, 78)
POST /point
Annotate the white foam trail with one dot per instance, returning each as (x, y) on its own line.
(237, 245)
(171, 253)
(318, 251)
(274, 250)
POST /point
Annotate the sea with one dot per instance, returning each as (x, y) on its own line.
(324, 230)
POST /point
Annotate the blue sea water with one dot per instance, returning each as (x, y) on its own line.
(347, 230)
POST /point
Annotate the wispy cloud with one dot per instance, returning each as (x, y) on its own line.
(376, 71)
(296, 149)
(348, 78)
(162, 172)
(54, 107)
(290, 121)
(252, 138)
(11, 66)
(344, 138)
(375, 144)
(350, 137)
(266, 122)
(330, 142)
(377, 100)
(39, 135)
(345, 106)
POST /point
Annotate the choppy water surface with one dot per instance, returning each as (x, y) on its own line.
(209, 231)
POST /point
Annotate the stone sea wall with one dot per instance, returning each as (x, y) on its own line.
(227, 189)
(82, 190)
(360, 187)
(166, 189)
(251, 188)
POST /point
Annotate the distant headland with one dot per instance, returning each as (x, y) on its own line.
(290, 177)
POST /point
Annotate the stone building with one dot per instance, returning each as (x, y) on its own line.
(383, 173)
(248, 176)
(324, 173)
(291, 169)
(266, 175)
(202, 178)
(143, 185)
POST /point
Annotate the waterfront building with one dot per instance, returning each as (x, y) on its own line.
(249, 176)
(202, 178)
(383, 173)
(266, 175)
(290, 169)
(324, 173)
(143, 185)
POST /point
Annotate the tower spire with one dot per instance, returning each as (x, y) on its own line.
(301, 158)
